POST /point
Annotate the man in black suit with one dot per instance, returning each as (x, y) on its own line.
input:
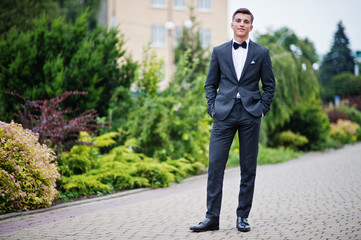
(236, 104)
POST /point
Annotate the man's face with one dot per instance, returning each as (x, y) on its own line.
(241, 25)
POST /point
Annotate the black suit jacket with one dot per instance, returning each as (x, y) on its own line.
(222, 84)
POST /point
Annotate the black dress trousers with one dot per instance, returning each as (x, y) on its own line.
(222, 135)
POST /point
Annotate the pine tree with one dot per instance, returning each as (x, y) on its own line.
(339, 59)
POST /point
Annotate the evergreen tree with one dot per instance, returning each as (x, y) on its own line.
(22, 13)
(57, 57)
(339, 59)
(71, 10)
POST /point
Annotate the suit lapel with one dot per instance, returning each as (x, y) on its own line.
(249, 57)
(229, 59)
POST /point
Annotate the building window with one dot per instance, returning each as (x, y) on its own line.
(114, 21)
(158, 36)
(178, 33)
(205, 37)
(179, 4)
(159, 4)
(204, 5)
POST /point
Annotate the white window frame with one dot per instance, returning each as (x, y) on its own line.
(205, 5)
(159, 3)
(205, 37)
(158, 35)
(179, 5)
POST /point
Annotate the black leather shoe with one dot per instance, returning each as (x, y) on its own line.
(206, 225)
(243, 225)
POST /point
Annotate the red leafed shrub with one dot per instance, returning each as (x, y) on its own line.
(334, 113)
(46, 118)
(27, 174)
(353, 101)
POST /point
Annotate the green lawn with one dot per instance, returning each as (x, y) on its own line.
(266, 155)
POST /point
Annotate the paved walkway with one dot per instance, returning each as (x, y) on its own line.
(317, 196)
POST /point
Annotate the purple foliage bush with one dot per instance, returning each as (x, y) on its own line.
(354, 101)
(334, 113)
(46, 118)
(27, 174)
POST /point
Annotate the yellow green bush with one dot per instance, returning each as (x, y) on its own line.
(27, 174)
(344, 131)
(86, 170)
(290, 139)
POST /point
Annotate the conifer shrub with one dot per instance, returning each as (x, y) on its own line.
(86, 169)
(86, 184)
(27, 172)
(56, 57)
(183, 168)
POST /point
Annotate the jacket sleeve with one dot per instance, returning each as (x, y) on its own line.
(212, 83)
(268, 82)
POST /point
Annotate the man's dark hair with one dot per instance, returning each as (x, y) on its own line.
(244, 11)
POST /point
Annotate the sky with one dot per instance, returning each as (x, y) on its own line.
(315, 19)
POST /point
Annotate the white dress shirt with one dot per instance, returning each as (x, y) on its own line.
(239, 56)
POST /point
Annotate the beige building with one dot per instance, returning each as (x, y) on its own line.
(160, 22)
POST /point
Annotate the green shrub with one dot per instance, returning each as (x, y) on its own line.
(310, 121)
(173, 123)
(27, 174)
(290, 139)
(344, 131)
(358, 134)
(342, 84)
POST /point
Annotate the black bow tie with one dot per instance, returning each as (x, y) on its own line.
(237, 45)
